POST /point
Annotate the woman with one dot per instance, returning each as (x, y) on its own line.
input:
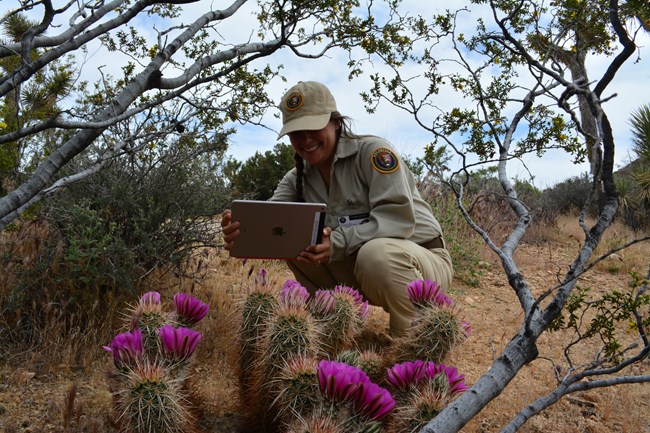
(380, 234)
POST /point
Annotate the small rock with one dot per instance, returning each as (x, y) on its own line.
(614, 257)
(25, 377)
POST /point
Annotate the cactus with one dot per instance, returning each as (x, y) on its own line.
(349, 356)
(426, 294)
(316, 423)
(436, 329)
(350, 397)
(434, 332)
(256, 313)
(368, 361)
(290, 334)
(148, 384)
(293, 293)
(152, 401)
(127, 349)
(341, 314)
(373, 364)
(177, 345)
(298, 392)
(421, 407)
(148, 316)
(422, 390)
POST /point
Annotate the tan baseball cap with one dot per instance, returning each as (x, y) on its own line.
(307, 106)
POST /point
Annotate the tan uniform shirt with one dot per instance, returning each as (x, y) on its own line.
(366, 199)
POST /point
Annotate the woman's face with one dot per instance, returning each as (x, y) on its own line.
(316, 147)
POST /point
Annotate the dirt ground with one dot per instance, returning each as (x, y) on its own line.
(35, 399)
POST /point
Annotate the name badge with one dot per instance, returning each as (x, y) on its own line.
(353, 220)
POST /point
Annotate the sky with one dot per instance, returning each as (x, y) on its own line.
(389, 122)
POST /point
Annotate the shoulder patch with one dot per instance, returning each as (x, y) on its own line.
(384, 160)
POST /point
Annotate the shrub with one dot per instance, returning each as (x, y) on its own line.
(463, 243)
(568, 197)
(104, 233)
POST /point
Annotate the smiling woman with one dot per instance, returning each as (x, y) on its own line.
(380, 234)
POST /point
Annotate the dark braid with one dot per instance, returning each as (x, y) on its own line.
(300, 169)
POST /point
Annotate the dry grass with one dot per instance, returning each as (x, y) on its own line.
(37, 394)
(568, 233)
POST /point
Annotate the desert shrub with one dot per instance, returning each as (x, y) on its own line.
(463, 243)
(633, 185)
(105, 233)
(568, 197)
(68, 283)
(160, 210)
(529, 194)
(259, 175)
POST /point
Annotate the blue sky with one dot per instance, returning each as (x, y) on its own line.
(389, 122)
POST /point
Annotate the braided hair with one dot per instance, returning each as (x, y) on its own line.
(300, 172)
(344, 123)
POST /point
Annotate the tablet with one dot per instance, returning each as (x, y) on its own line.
(275, 229)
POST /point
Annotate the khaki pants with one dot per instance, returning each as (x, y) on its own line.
(381, 270)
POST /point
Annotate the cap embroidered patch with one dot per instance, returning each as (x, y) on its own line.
(294, 101)
(384, 160)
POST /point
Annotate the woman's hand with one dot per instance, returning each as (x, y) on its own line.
(320, 253)
(229, 228)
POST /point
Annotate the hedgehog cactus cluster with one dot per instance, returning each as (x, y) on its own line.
(152, 401)
(422, 389)
(341, 313)
(151, 363)
(302, 370)
(436, 323)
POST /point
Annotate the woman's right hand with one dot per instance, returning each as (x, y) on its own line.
(229, 228)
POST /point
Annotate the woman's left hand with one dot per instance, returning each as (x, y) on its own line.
(320, 253)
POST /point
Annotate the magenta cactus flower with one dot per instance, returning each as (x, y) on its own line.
(455, 380)
(344, 383)
(358, 298)
(261, 277)
(373, 401)
(178, 343)
(322, 303)
(150, 298)
(293, 293)
(190, 309)
(339, 381)
(364, 310)
(126, 347)
(467, 328)
(406, 374)
(424, 293)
